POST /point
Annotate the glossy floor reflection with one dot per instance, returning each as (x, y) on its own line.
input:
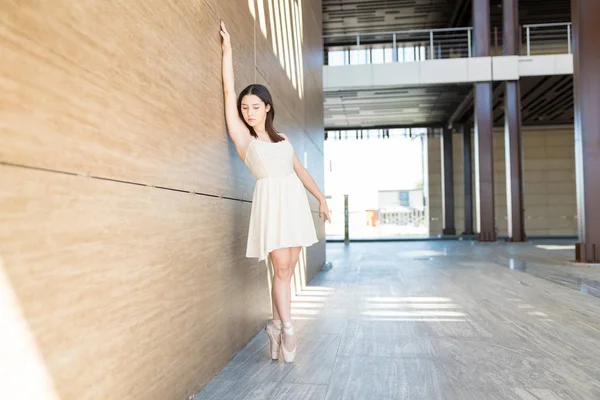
(435, 320)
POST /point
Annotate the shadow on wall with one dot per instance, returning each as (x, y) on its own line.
(287, 36)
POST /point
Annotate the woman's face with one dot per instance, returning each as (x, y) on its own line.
(254, 110)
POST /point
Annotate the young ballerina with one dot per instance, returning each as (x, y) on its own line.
(281, 220)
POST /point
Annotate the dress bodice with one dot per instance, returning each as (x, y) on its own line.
(268, 160)
(281, 216)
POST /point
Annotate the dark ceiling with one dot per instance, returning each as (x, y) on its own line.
(532, 12)
(545, 100)
(424, 106)
(353, 16)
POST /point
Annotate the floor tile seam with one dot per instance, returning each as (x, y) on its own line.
(444, 358)
(278, 382)
(333, 368)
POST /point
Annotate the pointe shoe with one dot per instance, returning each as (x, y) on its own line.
(274, 335)
(288, 355)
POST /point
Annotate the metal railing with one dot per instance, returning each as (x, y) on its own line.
(403, 46)
(543, 39)
(409, 217)
(374, 133)
(437, 44)
(349, 224)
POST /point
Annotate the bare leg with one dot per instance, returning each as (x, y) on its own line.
(281, 259)
(290, 341)
(275, 313)
(293, 262)
(273, 306)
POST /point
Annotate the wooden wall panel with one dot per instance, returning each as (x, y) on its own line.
(281, 68)
(434, 185)
(313, 36)
(316, 255)
(314, 110)
(315, 165)
(313, 61)
(123, 90)
(129, 291)
(237, 15)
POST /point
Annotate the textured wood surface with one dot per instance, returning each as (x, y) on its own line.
(130, 279)
(123, 205)
(129, 91)
(434, 320)
(282, 68)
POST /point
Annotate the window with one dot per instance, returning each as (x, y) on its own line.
(388, 55)
(359, 56)
(336, 57)
(377, 56)
(404, 199)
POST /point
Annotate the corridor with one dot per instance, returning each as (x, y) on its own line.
(434, 320)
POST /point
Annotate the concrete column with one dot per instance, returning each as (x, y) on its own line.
(586, 82)
(448, 183)
(484, 158)
(512, 129)
(467, 178)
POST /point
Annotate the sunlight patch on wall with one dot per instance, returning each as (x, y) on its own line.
(251, 8)
(298, 32)
(285, 27)
(272, 25)
(262, 20)
(22, 367)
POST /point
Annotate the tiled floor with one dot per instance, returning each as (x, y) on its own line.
(434, 320)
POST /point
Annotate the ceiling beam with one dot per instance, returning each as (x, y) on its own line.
(458, 14)
(462, 107)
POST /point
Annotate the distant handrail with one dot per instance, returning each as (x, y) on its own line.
(547, 25)
(549, 38)
(427, 44)
(406, 32)
(439, 43)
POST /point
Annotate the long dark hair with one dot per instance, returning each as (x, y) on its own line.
(262, 93)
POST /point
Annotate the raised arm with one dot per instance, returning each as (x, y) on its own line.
(237, 130)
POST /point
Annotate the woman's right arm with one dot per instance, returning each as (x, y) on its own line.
(237, 130)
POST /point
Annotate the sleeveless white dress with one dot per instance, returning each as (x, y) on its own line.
(281, 215)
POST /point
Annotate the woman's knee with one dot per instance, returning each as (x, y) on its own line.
(284, 272)
(282, 260)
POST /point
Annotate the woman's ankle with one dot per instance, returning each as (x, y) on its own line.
(288, 328)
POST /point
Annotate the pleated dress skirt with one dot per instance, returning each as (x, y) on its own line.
(281, 215)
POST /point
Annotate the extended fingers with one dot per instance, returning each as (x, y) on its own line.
(223, 28)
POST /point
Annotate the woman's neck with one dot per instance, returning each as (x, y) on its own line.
(261, 132)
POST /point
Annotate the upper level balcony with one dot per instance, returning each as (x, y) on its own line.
(442, 56)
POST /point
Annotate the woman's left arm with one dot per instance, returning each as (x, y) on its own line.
(312, 187)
